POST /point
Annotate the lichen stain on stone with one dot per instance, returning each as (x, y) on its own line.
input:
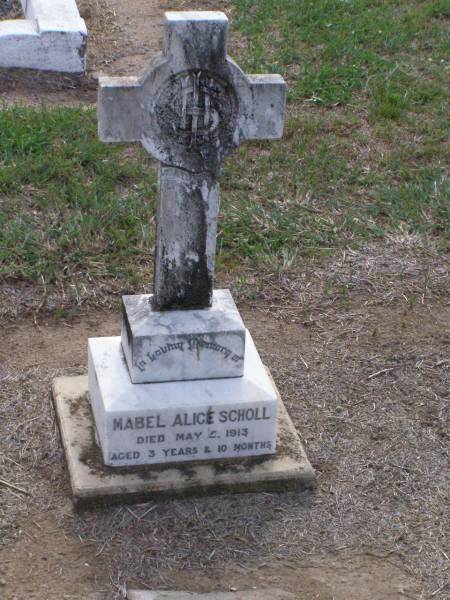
(82, 48)
(127, 324)
(187, 285)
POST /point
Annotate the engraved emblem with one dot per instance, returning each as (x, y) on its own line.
(195, 108)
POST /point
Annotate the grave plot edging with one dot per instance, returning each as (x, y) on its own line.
(52, 37)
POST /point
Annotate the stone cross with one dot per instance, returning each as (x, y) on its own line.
(190, 109)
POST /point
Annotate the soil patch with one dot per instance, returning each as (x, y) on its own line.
(363, 369)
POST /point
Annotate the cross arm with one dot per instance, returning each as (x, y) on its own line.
(120, 109)
(268, 94)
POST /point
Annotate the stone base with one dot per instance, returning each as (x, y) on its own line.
(175, 421)
(179, 345)
(94, 484)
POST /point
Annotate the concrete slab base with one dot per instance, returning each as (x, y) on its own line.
(244, 595)
(94, 484)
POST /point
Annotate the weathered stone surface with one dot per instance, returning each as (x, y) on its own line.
(158, 423)
(182, 344)
(241, 595)
(190, 109)
(193, 105)
(52, 37)
(185, 239)
(94, 484)
(50, 9)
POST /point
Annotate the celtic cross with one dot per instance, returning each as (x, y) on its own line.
(190, 109)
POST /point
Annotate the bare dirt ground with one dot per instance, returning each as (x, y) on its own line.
(358, 346)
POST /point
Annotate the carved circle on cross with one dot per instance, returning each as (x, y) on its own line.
(196, 109)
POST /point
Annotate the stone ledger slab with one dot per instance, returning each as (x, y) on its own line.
(151, 423)
(180, 345)
(95, 484)
(240, 595)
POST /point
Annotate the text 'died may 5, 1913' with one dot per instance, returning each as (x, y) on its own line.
(188, 435)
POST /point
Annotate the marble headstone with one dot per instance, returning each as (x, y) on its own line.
(185, 381)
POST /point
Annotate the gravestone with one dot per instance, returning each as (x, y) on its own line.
(184, 381)
(192, 107)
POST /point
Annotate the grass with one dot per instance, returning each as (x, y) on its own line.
(364, 151)
(330, 49)
(68, 202)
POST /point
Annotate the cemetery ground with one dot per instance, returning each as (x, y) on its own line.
(333, 242)
(363, 376)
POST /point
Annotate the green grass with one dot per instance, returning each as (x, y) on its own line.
(68, 202)
(364, 151)
(330, 49)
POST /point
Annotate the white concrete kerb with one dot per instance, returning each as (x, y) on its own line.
(52, 37)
